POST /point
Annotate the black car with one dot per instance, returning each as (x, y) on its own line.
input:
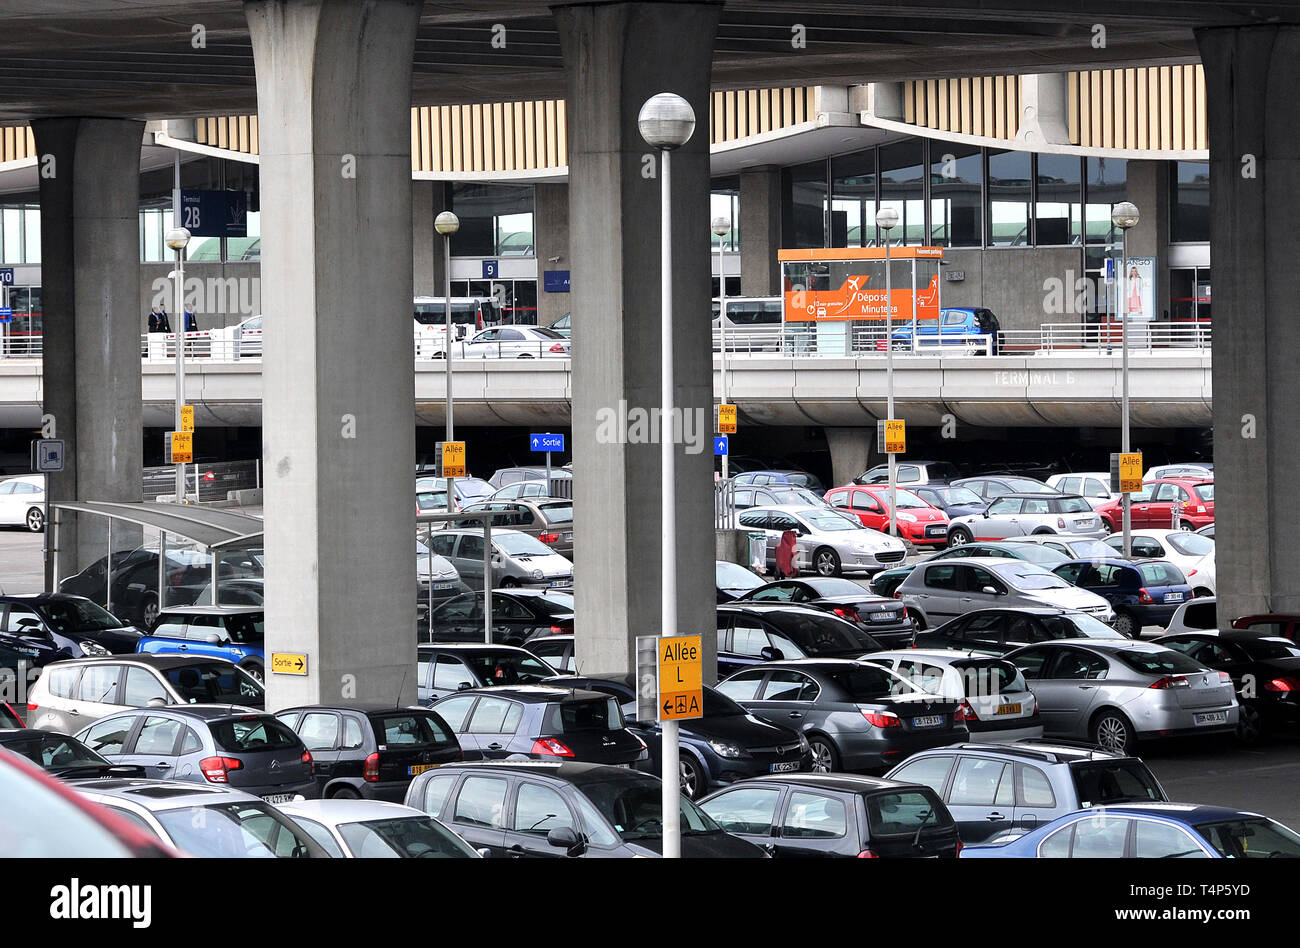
(754, 632)
(558, 651)
(371, 751)
(538, 722)
(733, 580)
(725, 745)
(517, 615)
(805, 815)
(1264, 669)
(63, 756)
(26, 642)
(886, 620)
(58, 615)
(998, 631)
(446, 669)
(556, 809)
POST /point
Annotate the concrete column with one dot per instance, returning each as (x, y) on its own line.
(1251, 74)
(617, 56)
(1148, 188)
(426, 245)
(760, 231)
(333, 90)
(441, 196)
(90, 270)
(551, 225)
(853, 451)
(1044, 110)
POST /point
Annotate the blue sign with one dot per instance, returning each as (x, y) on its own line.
(546, 442)
(7, 276)
(491, 269)
(6, 314)
(1110, 270)
(215, 213)
(555, 281)
(720, 446)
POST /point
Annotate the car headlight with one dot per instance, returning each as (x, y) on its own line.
(537, 574)
(93, 648)
(907, 517)
(728, 749)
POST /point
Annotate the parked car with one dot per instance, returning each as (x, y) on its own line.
(370, 751)
(886, 583)
(242, 340)
(446, 669)
(208, 744)
(371, 829)
(517, 558)
(517, 615)
(911, 473)
(1192, 554)
(29, 639)
(212, 822)
(1072, 548)
(1200, 614)
(940, 590)
(1265, 671)
(564, 808)
(750, 633)
(558, 651)
(234, 633)
(1203, 470)
(22, 502)
(563, 325)
(1114, 693)
(953, 501)
(731, 497)
(993, 486)
(249, 591)
(62, 756)
(833, 542)
(883, 619)
(999, 631)
(468, 489)
(1207, 531)
(536, 489)
(1268, 623)
(995, 698)
(71, 694)
(998, 790)
(511, 342)
(1153, 506)
(1151, 831)
(1142, 594)
(550, 521)
(436, 579)
(918, 522)
(855, 715)
(845, 815)
(955, 327)
(727, 744)
(506, 476)
(1093, 486)
(733, 580)
(1017, 515)
(781, 478)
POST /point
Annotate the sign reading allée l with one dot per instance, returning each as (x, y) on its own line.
(681, 684)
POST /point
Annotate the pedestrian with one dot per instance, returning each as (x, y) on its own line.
(191, 324)
(163, 324)
(785, 556)
(153, 319)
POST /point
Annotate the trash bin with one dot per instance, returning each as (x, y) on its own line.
(758, 552)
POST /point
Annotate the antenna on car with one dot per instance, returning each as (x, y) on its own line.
(397, 699)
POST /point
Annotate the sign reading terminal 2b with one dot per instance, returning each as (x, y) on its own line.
(681, 685)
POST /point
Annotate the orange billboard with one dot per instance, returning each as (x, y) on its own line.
(849, 283)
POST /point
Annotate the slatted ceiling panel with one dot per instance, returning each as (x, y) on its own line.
(1192, 106)
(562, 121)
(767, 120)
(466, 138)
(1166, 103)
(1107, 138)
(1200, 108)
(1176, 115)
(999, 108)
(941, 116)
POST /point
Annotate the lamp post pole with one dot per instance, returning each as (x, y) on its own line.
(886, 220)
(1124, 215)
(722, 227)
(177, 239)
(447, 224)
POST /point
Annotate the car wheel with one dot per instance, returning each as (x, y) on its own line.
(344, 793)
(255, 672)
(1043, 532)
(35, 520)
(525, 355)
(1105, 525)
(827, 562)
(1200, 592)
(694, 781)
(509, 583)
(149, 612)
(917, 625)
(958, 536)
(1186, 525)
(1112, 731)
(824, 757)
(1126, 625)
(1249, 727)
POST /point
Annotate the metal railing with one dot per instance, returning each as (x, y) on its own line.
(205, 482)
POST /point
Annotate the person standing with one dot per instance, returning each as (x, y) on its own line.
(164, 325)
(191, 323)
(785, 556)
(153, 319)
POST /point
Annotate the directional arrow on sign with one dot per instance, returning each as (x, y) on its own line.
(668, 707)
(299, 663)
(536, 442)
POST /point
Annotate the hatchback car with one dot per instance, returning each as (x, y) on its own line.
(1142, 594)
(1093, 486)
(995, 790)
(208, 744)
(911, 473)
(370, 751)
(22, 502)
(855, 715)
(918, 522)
(1192, 553)
(887, 582)
(549, 520)
(1116, 693)
(62, 756)
(234, 633)
(1071, 548)
(443, 670)
(751, 633)
(836, 815)
(1202, 613)
(517, 615)
(884, 619)
(781, 478)
(1177, 503)
(518, 559)
(742, 497)
(468, 489)
(372, 829)
(998, 631)
(953, 501)
(74, 618)
(506, 476)
(833, 542)
(530, 809)
(1020, 514)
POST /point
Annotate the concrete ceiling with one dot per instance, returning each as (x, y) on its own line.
(135, 57)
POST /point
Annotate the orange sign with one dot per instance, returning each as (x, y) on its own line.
(856, 300)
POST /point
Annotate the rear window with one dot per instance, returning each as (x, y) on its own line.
(557, 513)
(1074, 505)
(215, 683)
(506, 668)
(1205, 491)
(253, 734)
(1190, 544)
(1161, 574)
(404, 729)
(1163, 662)
(989, 678)
(1201, 615)
(904, 812)
(568, 717)
(1124, 781)
(1268, 649)
(871, 683)
(822, 635)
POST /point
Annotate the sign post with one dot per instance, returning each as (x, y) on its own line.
(547, 443)
(679, 696)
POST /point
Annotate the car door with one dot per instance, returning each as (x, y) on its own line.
(459, 619)
(749, 812)
(482, 346)
(456, 711)
(976, 581)
(511, 343)
(869, 509)
(536, 809)
(816, 823)
(1067, 689)
(981, 797)
(777, 524)
(492, 725)
(469, 559)
(450, 675)
(1141, 503)
(23, 634)
(1002, 520)
(1036, 801)
(97, 694)
(1160, 510)
(155, 746)
(984, 631)
(1035, 512)
(788, 699)
(321, 732)
(477, 812)
(938, 593)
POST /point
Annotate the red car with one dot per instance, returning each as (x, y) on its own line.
(1153, 506)
(9, 717)
(1271, 623)
(918, 522)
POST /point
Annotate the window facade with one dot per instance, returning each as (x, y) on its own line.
(496, 220)
(1189, 210)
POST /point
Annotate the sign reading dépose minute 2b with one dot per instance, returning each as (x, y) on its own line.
(215, 213)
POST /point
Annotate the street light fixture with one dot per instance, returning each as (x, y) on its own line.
(722, 227)
(447, 223)
(667, 122)
(887, 220)
(177, 239)
(1124, 215)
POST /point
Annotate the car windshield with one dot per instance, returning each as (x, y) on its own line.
(1078, 625)
(822, 634)
(431, 500)
(215, 683)
(734, 576)
(37, 822)
(833, 586)
(596, 714)
(1040, 555)
(1266, 649)
(68, 616)
(718, 705)
(1159, 662)
(1074, 505)
(1128, 781)
(1161, 574)
(1190, 544)
(407, 837)
(1251, 837)
(871, 683)
(1027, 579)
(507, 668)
(635, 810)
(1027, 485)
(951, 496)
(55, 752)
(828, 521)
(552, 604)
(521, 544)
(989, 677)
(906, 500)
(250, 830)
(467, 487)
(1092, 550)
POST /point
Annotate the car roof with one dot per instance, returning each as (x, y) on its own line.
(469, 647)
(43, 597)
(941, 655)
(1044, 749)
(749, 605)
(1029, 494)
(1187, 812)
(363, 707)
(532, 694)
(160, 794)
(151, 659)
(564, 770)
(202, 712)
(339, 810)
(478, 531)
(851, 783)
(978, 560)
(1105, 645)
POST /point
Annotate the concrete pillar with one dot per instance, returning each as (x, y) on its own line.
(1044, 110)
(617, 56)
(333, 90)
(1251, 74)
(1148, 188)
(90, 271)
(853, 451)
(426, 245)
(551, 225)
(760, 231)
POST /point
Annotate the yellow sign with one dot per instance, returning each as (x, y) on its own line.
(182, 447)
(895, 436)
(289, 663)
(726, 419)
(187, 418)
(680, 680)
(1130, 473)
(453, 459)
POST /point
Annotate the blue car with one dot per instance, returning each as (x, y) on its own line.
(784, 478)
(953, 501)
(1150, 831)
(954, 327)
(230, 632)
(1146, 593)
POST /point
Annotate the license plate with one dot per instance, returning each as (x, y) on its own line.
(417, 769)
(1173, 597)
(936, 531)
(930, 720)
(562, 582)
(884, 616)
(624, 766)
(1008, 709)
(1085, 522)
(278, 797)
(1212, 717)
(444, 585)
(786, 767)
(568, 536)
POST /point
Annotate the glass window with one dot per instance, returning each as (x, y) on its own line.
(482, 802)
(956, 205)
(454, 711)
(1009, 179)
(814, 816)
(1035, 788)
(1057, 846)
(321, 835)
(807, 191)
(853, 199)
(495, 716)
(743, 686)
(1058, 215)
(1251, 838)
(977, 782)
(943, 576)
(598, 831)
(435, 792)
(724, 201)
(1189, 211)
(1076, 664)
(319, 731)
(750, 810)
(158, 736)
(904, 812)
(1162, 841)
(930, 771)
(1100, 837)
(253, 733)
(99, 684)
(450, 673)
(107, 736)
(540, 809)
(790, 686)
(570, 717)
(495, 220)
(191, 744)
(902, 187)
(62, 682)
(352, 733)
(141, 688)
(1106, 184)
(1122, 782)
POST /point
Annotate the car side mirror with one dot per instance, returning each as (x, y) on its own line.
(212, 639)
(464, 686)
(157, 702)
(496, 560)
(990, 591)
(986, 514)
(567, 837)
(771, 654)
(484, 852)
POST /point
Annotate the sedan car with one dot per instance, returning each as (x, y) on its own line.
(29, 640)
(443, 670)
(373, 829)
(1071, 548)
(855, 715)
(468, 489)
(1115, 693)
(549, 520)
(517, 558)
(1178, 503)
(1093, 486)
(22, 502)
(62, 756)
(1142, 594)
(517, 615)
(833, 542)
(750, 633)
(1191, 553)
(918, 522)
(886, 583)
(733, 580)
(511, 342)
(999, 631)
(836, 815)
(780, 478)
(884, 619)
(1022, 515)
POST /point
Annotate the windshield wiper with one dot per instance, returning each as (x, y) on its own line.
(916, 840)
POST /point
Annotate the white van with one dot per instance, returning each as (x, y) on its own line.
(753, 323)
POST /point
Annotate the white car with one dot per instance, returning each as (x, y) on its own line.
(832, 542)
(435, 570)
(243, 340)
(1195, 615)
(1093, 486)
(1190, 552)
(1197, 469)
(22, 502)
(374, 829)
(513, 342)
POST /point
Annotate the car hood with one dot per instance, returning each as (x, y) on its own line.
(962, 510)
(743, 729)
(870, 540)
(1072, 598)
(701, 846)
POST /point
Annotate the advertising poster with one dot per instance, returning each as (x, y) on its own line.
(1140, 288)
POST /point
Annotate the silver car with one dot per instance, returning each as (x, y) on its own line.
(1116, 693)
(518, 559)
(1021, 515)
(940, 590)
(1076, 548)
(513, 342)
(361, 829)
(833, 543)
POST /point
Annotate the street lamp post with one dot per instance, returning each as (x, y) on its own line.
(667, 122)
(177, 239)
(1124, 215)
(887, 220)
(447, 224)
(722, 227)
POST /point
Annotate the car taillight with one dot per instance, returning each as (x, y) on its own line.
(549, 537)
(311, 764)
(1192, 572)
(559, 630)
(550, 747)
(1060, 522)
(846, 612)
(897, 594)
(959, 848)
(370, 772)
(965, 713)
(1172, 681)
(882, 719)
(557, 348)
(215, 768)
(31, 707)
(1144, 597)
(1277, 684)
(868, 854)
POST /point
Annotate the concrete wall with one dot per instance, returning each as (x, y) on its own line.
(227, 294)
(425, 244)
(1010, 282)
(551, 227)
(1148, 188)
